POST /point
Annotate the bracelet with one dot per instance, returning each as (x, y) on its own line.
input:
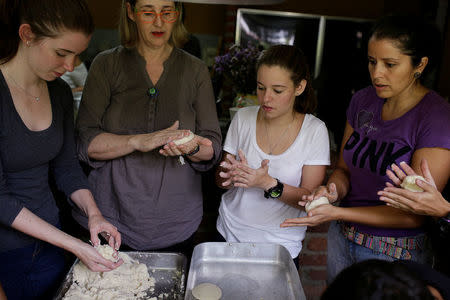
(193, 151)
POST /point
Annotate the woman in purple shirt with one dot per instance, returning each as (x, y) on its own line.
(396, 119)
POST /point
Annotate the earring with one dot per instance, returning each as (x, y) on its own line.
(28, 43)
(417, 75)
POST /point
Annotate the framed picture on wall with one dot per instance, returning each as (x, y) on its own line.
(266, 28)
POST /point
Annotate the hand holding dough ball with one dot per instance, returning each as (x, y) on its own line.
(207, 291)
(185, 139)
(316, 202)
(409, 183)
(107, 252)
(129, 281)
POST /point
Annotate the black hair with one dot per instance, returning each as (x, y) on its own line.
(414, 36)
(294, 60)
(47, 18)
(377, 280)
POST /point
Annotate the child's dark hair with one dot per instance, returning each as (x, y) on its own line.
(377, 279)
(413, 36)
(293, 60)
(47, 18)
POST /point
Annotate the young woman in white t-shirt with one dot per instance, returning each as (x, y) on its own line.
(273, 154)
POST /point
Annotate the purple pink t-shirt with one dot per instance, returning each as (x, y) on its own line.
(376, 144)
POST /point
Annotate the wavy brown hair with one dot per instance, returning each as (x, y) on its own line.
(293, 60)
(47, 18)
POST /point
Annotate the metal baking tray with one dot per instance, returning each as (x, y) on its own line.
(245, 271)
(168, 269)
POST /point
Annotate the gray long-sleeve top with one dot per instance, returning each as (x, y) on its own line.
(153, 200)
(27, 157)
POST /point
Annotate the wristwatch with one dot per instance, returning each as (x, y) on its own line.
(274, 192)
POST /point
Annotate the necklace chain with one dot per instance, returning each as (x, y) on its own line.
(37, 98)
(273, 146)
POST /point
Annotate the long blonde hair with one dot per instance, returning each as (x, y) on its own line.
(128, 31)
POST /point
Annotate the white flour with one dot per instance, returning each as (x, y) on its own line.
(129, 281)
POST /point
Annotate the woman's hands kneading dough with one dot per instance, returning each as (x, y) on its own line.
(429, 201)
(173, 142)
(330, 192)
(150, 141)
(196, 147)
(315, 203)
(317, 206)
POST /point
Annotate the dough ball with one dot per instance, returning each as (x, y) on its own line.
(184, 139)
(107, 252)
(409, 183)
(207, 291)
(316, 202)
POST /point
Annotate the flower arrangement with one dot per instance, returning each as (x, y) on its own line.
(238, 66)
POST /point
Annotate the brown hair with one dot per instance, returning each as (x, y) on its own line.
(293, 60)
(47, 18)
(129, 33)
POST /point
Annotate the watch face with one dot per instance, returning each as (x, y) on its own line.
(275, 193)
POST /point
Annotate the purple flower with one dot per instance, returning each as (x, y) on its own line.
(239, 66)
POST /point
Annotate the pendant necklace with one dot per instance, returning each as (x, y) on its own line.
(273, 146)
(37, 98)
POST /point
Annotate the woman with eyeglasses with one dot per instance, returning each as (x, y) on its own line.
(139, 97)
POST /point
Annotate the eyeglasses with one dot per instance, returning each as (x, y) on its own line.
(167, 16)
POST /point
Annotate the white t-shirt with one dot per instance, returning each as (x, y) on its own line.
(77, 77)
(244, 214)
